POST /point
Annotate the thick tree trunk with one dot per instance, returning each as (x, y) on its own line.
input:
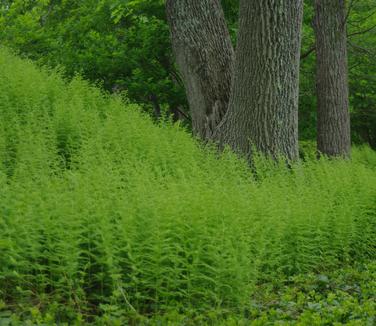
(263, 109)
(333, 117)
(204, 55)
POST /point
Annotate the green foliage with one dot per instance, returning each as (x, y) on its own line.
(361, 25)
(124, 44)
(362, 69)
(344, 297)
(106, 217)
(121, 44)
(307, 87)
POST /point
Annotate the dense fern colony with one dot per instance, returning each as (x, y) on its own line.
(101, 209)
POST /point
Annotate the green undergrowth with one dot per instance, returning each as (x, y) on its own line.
(106, 217)
(342, 297)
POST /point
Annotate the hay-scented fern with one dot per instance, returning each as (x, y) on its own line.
(103, 213)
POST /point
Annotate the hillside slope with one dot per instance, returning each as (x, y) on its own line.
(103, 211)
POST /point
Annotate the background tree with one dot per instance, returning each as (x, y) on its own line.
(204, 55)
(263, 110)
(361, 27)
(361, 41)
(333, 116)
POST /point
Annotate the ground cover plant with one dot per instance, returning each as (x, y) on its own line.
(108, 218)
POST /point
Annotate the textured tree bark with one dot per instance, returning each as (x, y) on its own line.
(263, 109)
(204, 55)
(333, 117)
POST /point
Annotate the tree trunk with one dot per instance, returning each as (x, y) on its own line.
(333, 117)
(263, 109)
(204, 55)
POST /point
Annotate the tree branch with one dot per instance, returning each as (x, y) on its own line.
(363, 31)
(361, 49)
(362, 19)
(308, 52)
(351, 6)
(185, 115)
(313, 47)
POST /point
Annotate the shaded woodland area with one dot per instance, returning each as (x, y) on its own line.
(125, 45)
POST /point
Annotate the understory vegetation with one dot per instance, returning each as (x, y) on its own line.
(107, 218)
